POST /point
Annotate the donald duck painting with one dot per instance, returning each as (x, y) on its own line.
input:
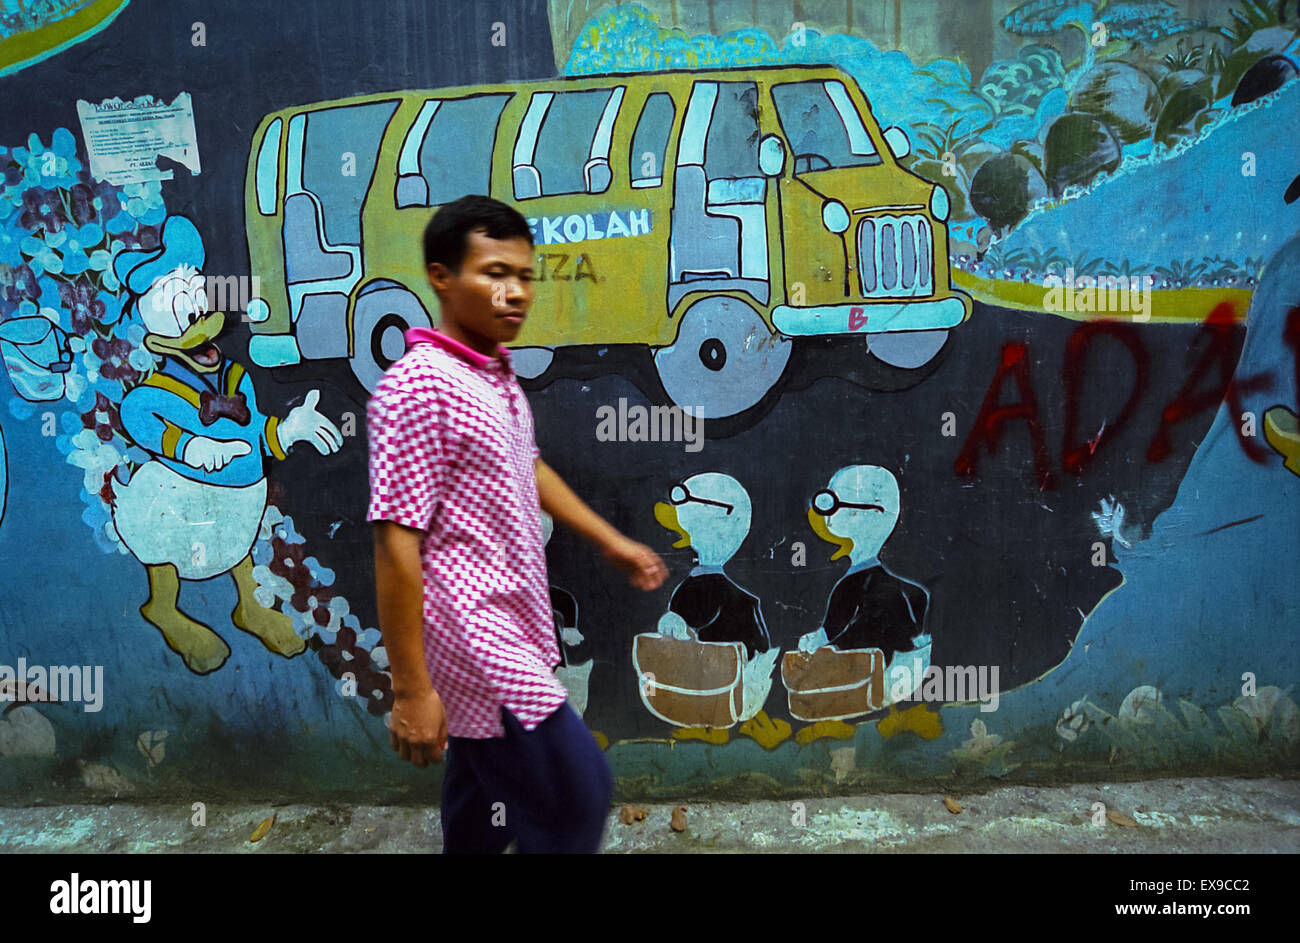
(872, 647)
(710, 664)
(194, 510)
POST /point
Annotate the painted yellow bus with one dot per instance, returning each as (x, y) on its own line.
(714, 216)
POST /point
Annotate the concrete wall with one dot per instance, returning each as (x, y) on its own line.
(983, 522)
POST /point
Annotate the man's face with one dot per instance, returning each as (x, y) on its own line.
(489, 298)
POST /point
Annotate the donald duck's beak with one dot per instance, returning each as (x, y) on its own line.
(818, 523)
(666, 515)
(195, 345)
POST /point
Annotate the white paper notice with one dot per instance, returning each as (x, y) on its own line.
(124, 139)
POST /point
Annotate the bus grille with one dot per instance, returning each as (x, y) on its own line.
(896, 256)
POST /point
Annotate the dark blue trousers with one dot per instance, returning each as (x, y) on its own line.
(550, 788)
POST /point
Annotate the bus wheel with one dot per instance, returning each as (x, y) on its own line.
(529, 363)
(381, 318)
(907, 350)
(724, 360)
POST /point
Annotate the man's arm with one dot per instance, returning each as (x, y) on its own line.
(418, 728)
(642, 565)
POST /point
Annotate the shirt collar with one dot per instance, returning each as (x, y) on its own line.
(426, 335)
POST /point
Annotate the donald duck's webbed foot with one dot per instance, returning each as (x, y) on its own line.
(203, 650)
(275, 629)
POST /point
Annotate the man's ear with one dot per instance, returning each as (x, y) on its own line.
(438, 276)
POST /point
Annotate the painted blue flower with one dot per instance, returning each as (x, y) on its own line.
(121, 221)
(84, 302)
(11, 237)
(78, 241)
(55, 165)
(43, 257)
(23, 285)
(144, 202)
(98, 519)
(42, 209)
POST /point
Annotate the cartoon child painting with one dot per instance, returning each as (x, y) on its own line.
(194, 510)
(872, 647)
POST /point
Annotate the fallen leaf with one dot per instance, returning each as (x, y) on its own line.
(631, 813)
(678, 823)
(265, 826)
(1119, 818)
(952, 805)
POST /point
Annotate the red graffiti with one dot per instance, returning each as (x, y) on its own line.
(1076, 458)
(992, 417)
(1218, 328)
(857, 318)
(1194, 397)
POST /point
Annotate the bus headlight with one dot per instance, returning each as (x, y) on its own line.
(939, 203)
(835, 216)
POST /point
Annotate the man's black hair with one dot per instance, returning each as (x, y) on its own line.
(446, 238)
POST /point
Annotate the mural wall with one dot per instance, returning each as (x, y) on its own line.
(960, 400)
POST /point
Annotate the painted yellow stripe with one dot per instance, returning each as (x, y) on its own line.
(170, 437)
(173, 385)
(1168, 305)
(233, 378)
(273, 440)
(30, 47)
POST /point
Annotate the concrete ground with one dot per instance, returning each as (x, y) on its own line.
(1168, 815)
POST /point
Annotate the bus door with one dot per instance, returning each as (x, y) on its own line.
(719, 225)
(329, 167)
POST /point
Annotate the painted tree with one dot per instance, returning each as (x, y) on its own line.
(1132, 21)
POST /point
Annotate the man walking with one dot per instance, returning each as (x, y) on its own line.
(456, 481)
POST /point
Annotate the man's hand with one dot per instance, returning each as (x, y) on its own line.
(644, 568)
(418, 728)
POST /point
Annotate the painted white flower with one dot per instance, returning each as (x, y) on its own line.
(981, 742)
(1110, 522)
(1073, 722)
(1140, 704)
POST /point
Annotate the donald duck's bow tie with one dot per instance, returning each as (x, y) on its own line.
(214, 406)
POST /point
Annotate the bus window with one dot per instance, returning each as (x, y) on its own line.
(448, 151)
(731, 147)
(822, 126)
(338, 160)
(650, 140)
(564, 143)
(268, 168)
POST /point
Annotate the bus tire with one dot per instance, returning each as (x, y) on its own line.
(907, 350)
(379, 320)
(724, 360)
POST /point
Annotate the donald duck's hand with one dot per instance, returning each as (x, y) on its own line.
(305, 424)
(213, 454)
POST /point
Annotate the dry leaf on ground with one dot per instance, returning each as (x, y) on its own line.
(631, 813)
(263, 827)
(952, 805)
(678, 823)
(1119, 818)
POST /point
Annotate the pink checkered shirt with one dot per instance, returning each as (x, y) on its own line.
(451, 453)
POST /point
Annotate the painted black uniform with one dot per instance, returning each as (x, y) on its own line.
(720, 611)
(873, 608)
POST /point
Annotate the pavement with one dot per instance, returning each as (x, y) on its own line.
(1205, 815)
